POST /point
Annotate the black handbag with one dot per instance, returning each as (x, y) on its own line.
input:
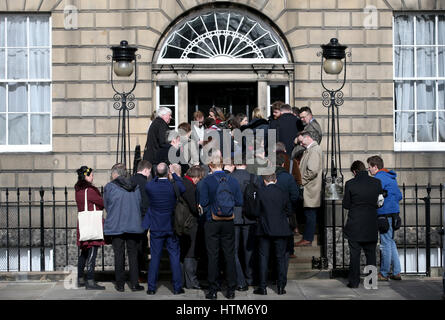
(396, 222)
(383, 225)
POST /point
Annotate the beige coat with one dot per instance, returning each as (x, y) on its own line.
(312, 175)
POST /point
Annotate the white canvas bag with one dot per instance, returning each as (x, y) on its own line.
(90, 223)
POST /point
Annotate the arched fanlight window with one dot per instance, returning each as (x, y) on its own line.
(222, 37)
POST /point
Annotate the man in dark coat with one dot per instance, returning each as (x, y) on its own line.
(244, 231)
(273, 229)
(123, 224)
(157, 135)
(158, 220)
(360, 198)
(141, 178)
(288, 126)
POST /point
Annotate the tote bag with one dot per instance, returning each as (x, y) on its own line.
(90, 223)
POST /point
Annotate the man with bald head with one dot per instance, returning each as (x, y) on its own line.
(158, 220)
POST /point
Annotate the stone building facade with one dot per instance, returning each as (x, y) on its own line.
(84, 123)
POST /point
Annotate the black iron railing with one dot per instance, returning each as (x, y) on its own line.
(418, 240)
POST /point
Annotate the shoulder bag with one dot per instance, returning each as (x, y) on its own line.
(90, 223)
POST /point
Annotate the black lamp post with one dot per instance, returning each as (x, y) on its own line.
(333, 61)
(122, 65)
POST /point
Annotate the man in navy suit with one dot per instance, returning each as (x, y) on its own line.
(273, 229)
(158, 220)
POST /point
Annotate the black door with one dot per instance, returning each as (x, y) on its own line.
(232, 97)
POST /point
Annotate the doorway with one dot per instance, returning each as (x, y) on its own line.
(231, 97)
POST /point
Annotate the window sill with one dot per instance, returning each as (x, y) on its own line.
(25, 148)
(419, 146)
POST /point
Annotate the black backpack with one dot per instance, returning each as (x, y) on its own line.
(249, 198)
(183, 220)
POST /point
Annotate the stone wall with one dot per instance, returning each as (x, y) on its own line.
(85, 124)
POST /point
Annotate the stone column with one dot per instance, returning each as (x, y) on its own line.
(262, 93)
(182, 98)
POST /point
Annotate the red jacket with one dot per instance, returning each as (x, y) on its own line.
(93, 197)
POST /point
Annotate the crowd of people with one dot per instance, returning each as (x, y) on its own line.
(221, 216)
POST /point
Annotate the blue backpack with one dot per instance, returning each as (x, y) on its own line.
(225, 201)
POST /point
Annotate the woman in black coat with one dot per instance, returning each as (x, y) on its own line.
(360, 198)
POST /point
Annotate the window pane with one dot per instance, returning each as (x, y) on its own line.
(40, 97)
(442, 61)
(277, 93)
(18, 129)
(403, 30)
(441, 29)
(2, 129)
(167, 95)
(17, 64)
(38, 31)
(17, 31)
(2, 64)
(404, 126)
(425, 30)
(2, 31)
(426, 127)
(404, 95)
(442, 126)
(18, 98)
(426, 62)
(2, 98)
(441, 94)
(426, 95)
(40, 128)
(39, 64)
(404, 60)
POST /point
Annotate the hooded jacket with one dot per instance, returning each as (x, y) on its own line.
(388, 179)
(122, 200)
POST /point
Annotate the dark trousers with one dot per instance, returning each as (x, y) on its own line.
(245, 242)
(157, 240)
(118, 242)
(220, 235)
(311, 221)
(188, 257)
(354, 260)
(87, 257)
(280, 244)
(143, 251)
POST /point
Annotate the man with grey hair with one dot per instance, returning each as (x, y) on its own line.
(123, 224)
(157, 135)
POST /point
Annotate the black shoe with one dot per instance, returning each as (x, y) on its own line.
(136, 288)
(242, 288)
(92, 285)
(180, 291)
(211, 295)
(230, 294)
(280, 290)
(119, 288)
(197, 287)
(151, 292)
(261, 291)
(80, 282)
(350, 285)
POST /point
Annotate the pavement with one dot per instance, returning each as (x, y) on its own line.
(410, 288)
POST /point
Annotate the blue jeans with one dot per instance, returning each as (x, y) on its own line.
(390, 256)
(311, 220)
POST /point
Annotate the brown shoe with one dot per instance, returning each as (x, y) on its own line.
(303, 243)
(382, 278)
(395, 277)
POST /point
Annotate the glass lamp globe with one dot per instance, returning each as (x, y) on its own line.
(333, 66)
(123, 68)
